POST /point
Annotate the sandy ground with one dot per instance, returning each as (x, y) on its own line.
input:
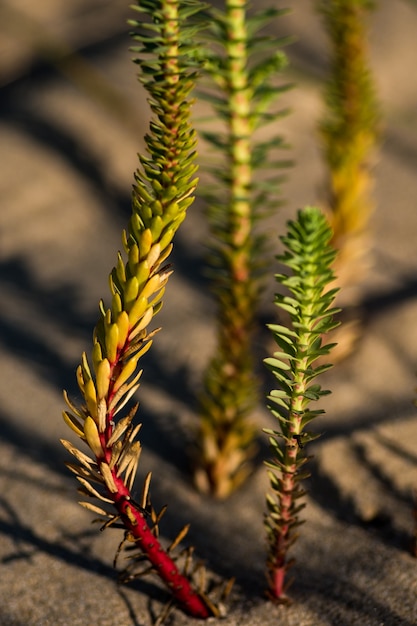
(67, 157)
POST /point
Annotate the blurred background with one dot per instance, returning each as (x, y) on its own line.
(72, 119)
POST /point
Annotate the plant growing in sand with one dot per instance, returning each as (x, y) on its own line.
(107, 379)
(349, 131)
(164, 186)
(309, 257)
(242, 66)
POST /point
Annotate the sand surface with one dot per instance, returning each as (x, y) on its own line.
(67, 155)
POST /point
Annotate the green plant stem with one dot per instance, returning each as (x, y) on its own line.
(231, 388)
(241, 64)
(309, 256)
(289, 489)
(240, 135)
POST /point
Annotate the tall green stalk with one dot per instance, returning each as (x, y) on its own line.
(163, 191)
(309, 257)
(244, 90)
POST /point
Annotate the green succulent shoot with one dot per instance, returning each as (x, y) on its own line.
(307, 303)
(241, 67)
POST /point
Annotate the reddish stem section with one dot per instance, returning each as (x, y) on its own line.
(278, 565)
(189, 600)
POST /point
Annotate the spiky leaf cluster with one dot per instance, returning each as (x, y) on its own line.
(243, 62)
(308, 304)
(244, 92)
(163, 189)
(242, 65)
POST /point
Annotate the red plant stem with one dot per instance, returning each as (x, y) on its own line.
(134, 521)
(279, 566)
(186, 596)
(279, 563)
